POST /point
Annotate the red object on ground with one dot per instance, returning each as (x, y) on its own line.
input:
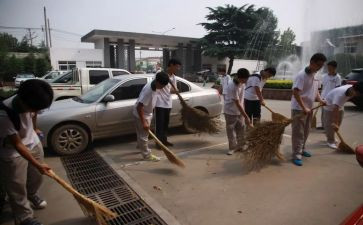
(359, 154)
(356, 218)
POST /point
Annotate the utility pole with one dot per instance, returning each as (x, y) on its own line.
(46, 28)
(50, 37)
(30, 36)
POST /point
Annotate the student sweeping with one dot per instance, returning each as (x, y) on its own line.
(333, 111)
(305, 92)
(253, 93)
(164, 103)
(21, 153)
(330, 81)
(143, 112)
(234, 110)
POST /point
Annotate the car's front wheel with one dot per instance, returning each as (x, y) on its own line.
(69, 139)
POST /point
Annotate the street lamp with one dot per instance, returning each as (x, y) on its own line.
(163, 33)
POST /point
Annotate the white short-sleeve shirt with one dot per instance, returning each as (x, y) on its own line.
(337, 97)
(225, 79)
(148, 98)
(308, 86)
(330, 82)
(234, 92)
(164, 99)
(26, 132)
(252, 82)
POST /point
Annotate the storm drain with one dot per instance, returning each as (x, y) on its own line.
(93, 177)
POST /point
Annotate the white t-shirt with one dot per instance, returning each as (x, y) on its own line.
(27, 134)
(148, 98)
(234, 92)
(164, 99)
(330, 82)
(337, 97)
(224, 82)
(308, 86)
(252, 82)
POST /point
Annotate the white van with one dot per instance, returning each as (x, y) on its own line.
(80, 80)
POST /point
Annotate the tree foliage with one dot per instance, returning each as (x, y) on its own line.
(238, 32)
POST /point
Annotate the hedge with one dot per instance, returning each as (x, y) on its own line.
(279, 84)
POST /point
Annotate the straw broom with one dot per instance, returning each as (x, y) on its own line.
(262, 142)
(343, 146)
(89, 207)
(197, 119)
(276, 117)
(169, 154)
(314, 120)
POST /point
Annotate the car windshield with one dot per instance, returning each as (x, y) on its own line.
(99, 90)
(65, 78)
(25, 76)
(354, 75)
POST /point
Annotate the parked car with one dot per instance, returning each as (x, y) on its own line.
(20, 78)
(353, 77)
(52, 75)
(79, 81)
(70, 125)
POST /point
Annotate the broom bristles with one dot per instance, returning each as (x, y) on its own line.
(200, 121)
(344, 147)
(262, 143)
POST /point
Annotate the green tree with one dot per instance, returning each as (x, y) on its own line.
(23, 45)
(8, 42)
(238, 31)
(29, 63)
(13, 66)
(42, 66)
(287, 42)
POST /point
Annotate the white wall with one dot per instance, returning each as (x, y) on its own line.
(251, 65)
(72, 54)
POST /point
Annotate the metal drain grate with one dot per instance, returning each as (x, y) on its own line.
(93, 177)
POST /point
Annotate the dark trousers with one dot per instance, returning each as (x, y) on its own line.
(253, 109)
(162, 123)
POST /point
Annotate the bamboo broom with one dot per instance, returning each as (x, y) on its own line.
(276, 117)
(197, 119)
(262, 142)
(169, 154)
(314, 120)
(91, 208)
(343, 146)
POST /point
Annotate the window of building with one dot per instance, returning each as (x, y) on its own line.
(66, 65)
(93, 64)
(350, 47)
(118, 73)
(130, 89)
(96, 76)
(182, 87)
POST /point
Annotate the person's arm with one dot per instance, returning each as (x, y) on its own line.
(174, 88)
(244, 114)
(320, 100)
(296, 93)
(259, 95)
(140, 111)
(25, 153)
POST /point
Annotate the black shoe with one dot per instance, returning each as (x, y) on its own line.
(30, 221)
(167, 143)
(37, 202)
(320, 128)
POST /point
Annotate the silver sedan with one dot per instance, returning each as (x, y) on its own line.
(70, 125)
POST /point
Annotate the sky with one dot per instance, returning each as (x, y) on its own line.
(156, 16)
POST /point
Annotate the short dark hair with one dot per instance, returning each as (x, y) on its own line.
(36, 94)
(243, 73)
(333, 63)
(174, 62)
(162, 78)
(318, 57)
(270, 70)
(359, 87)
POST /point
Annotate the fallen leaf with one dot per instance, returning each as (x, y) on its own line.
(157, 188)
(239, 211)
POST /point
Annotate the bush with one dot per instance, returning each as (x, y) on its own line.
(5, 94)
(279, 84)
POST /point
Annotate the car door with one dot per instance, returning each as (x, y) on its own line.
(185, 92)
(114, 118)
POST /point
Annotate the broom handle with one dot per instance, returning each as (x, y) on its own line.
(301, 114)
(316, 112)
(177, 93)
(63, 183)
(338, 133)
(159, 142)
(269, 109)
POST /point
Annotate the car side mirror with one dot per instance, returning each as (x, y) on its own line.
(109, 98)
